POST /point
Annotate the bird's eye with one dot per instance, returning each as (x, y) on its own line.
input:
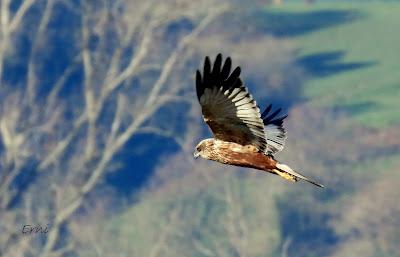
(198, 149)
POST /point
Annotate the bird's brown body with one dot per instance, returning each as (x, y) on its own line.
(239, 155)
(246, 156)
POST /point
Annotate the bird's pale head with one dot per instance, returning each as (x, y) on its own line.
(203, 148)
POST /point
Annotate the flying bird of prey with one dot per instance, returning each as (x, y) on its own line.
(242, 136)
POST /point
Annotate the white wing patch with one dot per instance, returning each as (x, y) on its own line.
(276, 138)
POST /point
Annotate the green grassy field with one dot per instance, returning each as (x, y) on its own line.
(370, 93)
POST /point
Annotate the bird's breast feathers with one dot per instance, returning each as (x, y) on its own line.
(241, 155)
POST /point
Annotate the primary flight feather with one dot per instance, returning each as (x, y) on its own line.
(242, 135)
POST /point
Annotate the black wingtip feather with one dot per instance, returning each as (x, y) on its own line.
(266, 111)
(226, 69)
(278, 121)
(273, 115)
(269, 119)
(198, 84)
(207, 65)
(236, 72)
(217, 66)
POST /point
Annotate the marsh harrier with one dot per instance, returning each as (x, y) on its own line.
(242, 136)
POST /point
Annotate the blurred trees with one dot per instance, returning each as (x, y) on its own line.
(78, 80)
(370, 220)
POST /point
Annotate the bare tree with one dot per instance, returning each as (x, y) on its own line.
(63, 136)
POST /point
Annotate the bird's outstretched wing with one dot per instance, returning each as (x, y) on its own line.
(275, 132)
(227, 106)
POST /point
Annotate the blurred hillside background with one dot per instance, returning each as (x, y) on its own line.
(99, 118)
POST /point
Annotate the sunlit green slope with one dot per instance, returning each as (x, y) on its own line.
(370, 37)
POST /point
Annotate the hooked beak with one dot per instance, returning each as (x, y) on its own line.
(196, 154)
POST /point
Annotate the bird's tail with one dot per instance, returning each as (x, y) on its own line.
(286, 172)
